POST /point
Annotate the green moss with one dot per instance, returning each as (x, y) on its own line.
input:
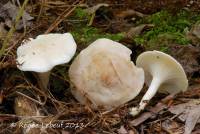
(80, 13)
(85, 34)
(168, 28)
(88, 34)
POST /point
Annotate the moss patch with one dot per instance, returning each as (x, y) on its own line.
(169, 29)
(85, 34)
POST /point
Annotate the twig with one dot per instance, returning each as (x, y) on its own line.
(34, 100)
(60, 18)
(6, 64)
(41, 9)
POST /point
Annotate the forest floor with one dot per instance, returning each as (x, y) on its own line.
(169, 26)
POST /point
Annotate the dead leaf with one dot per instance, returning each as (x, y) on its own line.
(192, 92)
(25, 107)
(93, 9)
(133, 131)
(189, 112)
(192, 119)
(135, 31)
(9, 12)
(194, 34)
(122, 130)
(130, 13)
(195, 30)
(188, 56)
(172, 127)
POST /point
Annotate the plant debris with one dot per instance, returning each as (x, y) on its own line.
(169, 26)
(136, 31)
(153, 111)
(9, 12)
(188, 112)
(188, 56)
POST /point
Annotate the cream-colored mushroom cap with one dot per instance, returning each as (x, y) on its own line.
(165, 68)
(104, 74)
(45, 52)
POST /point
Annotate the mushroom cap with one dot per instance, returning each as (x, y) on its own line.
(164, 67)
(45, 52)
(104, 74)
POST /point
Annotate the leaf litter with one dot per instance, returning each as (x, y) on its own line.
(9, 12)
(188, 113)
(63, 107)
(188, 56)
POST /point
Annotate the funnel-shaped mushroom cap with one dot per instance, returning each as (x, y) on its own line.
(165, 68)
(104, 74)
(45, 52)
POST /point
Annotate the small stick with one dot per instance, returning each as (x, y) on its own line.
(60, 18)
(34, 100)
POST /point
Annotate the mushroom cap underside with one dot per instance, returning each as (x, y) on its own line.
(105, 75)
(164, 67)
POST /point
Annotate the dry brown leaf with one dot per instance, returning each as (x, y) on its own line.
(194, 34)
(122, 130)
(133, 131)
(9, 12)
(93, 9)
(189, 112)
(188, 56)
(25, 107)
(195, 30)
(192, 119)
(172, 127)
(135, 31)
(130, 13)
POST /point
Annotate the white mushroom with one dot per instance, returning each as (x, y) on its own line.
(104, 74)
(162, 73)
(43, 53)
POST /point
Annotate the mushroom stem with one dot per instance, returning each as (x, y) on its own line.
(155, 84)
(43, 79)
